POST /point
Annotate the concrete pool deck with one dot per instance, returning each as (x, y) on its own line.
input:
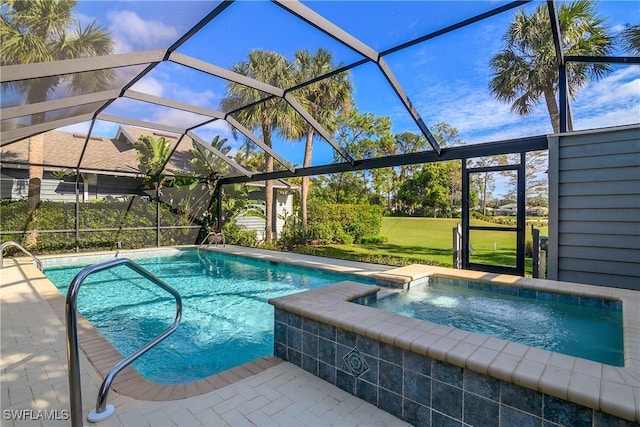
(34, 359)
(34, 378)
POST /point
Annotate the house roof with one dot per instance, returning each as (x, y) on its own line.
(65, 150)
(110, 156)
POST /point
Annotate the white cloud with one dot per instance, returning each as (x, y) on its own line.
(468, 106)
(612, 101)
(177, 118)
(133, 33)
(149, 85)
(100, 128)
(202, 98)
(620, 85)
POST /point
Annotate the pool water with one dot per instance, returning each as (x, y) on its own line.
(576, 330)
(226, 320)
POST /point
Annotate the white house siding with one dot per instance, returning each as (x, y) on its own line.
(59, 190)
(283, 207)
(594, 197)
(14, 184)
(117, 186)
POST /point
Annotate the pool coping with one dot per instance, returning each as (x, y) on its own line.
(103, 356)
(610, 389)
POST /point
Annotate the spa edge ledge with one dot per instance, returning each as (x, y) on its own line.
(612, 390)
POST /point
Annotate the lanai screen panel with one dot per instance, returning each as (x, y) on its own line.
(399, 21)
(409, 43)
(248, 26)
(611, 101)
(453, 74)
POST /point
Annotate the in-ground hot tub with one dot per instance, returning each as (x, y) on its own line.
(427, 373)
(574, 325)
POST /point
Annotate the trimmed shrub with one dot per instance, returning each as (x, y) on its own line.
(94, 218)
(331, 223)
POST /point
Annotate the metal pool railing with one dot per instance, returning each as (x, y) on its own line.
(17, 245)
(102, 410)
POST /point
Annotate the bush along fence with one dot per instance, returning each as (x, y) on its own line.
(334, 223)
(101, 225)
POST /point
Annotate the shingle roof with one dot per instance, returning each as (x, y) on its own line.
(63, 149)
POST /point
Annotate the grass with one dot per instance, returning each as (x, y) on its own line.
(427, 241)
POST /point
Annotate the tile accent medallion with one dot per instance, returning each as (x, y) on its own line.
(356, 362)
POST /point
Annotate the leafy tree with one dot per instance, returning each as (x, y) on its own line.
(346, 187)
(268, 116)
(536, 179)
(389, 180)
(323, 99)
(483, 183)
(360, 135)
(429, 188)
(44, 31)
(526, 69)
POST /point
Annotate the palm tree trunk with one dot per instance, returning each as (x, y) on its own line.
(308, 149)
(552, 106)
(268, 187)
(36, 171)
(484, 194)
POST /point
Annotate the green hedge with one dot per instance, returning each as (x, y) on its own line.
(94, 216)
(337, 223)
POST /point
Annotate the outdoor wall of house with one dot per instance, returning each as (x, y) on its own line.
(14, 184)
(59, 190)
(283, 206)
(116, 186)
(594, 201)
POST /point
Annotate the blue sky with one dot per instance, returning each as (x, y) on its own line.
(446, 78)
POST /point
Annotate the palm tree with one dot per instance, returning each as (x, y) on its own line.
(269, 116)
(526, 69)
(44, 31)
(322, 100)
(631, 38)
(208, 165)
(153, 155)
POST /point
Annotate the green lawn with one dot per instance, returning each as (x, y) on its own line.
(428, 241)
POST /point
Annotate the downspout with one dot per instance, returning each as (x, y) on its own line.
(158, 212)
(220, 218)
(85, 188)
(77, 210)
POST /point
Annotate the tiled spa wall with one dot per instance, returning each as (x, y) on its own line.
(416, 388)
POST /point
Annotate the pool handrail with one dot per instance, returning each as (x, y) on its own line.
(102, 410)
(215, 234)
(17, 245)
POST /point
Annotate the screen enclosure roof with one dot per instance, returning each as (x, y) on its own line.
(188, 120)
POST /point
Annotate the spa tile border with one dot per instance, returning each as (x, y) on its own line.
(103, 356)
(604, 388)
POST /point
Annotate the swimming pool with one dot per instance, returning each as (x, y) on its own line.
(226, 320)
(553, 322)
